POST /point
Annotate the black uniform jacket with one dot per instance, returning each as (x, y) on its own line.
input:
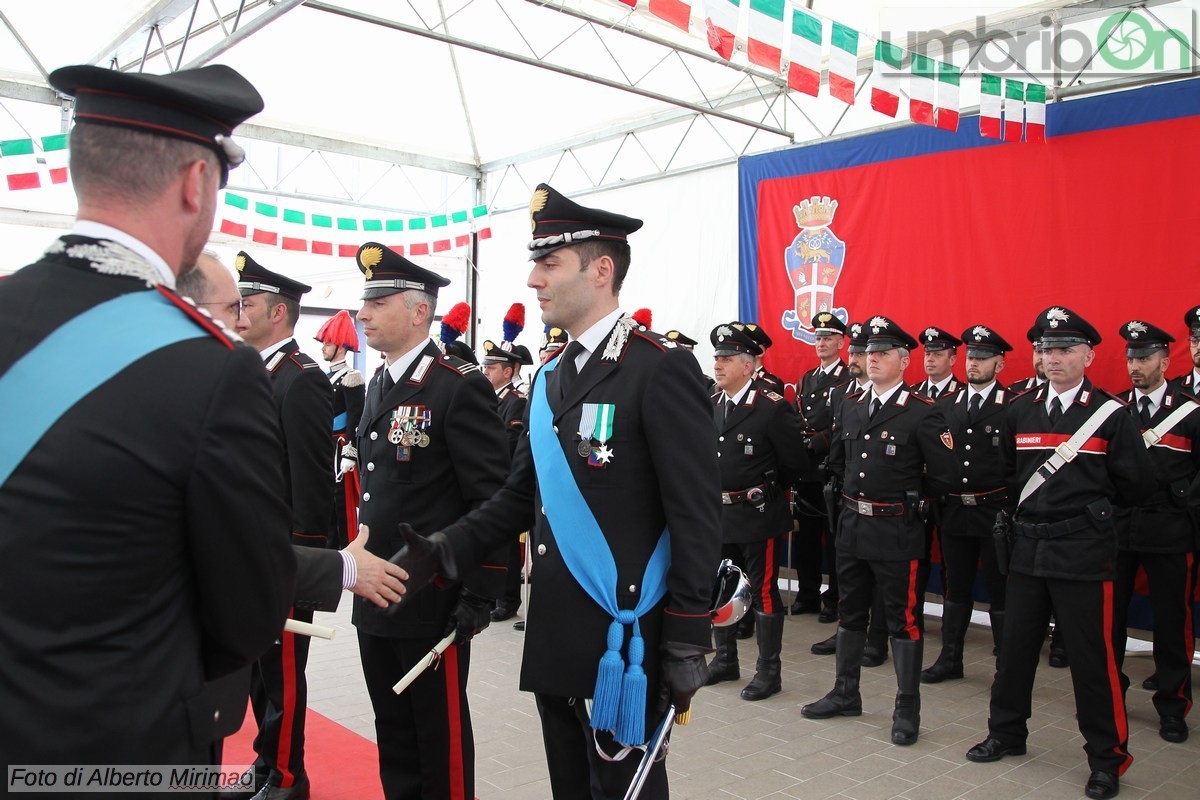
(349, 392)
(663, 473)
(761, 444)
(1111, 468)
(980, 490)
(143, 540)
(1164, 521)
(304, 402)
(429, 487)
(511, 406)
(816, 412)
(922, 389)
(1023, 386)
(882, 460)
(768, 380)
(1184, 381)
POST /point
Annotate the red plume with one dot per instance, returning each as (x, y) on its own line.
(455, 322)
(339, 330)
(643, 317)
(514, 322)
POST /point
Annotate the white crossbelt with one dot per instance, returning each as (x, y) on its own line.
(1065, 453)
(1154, 435)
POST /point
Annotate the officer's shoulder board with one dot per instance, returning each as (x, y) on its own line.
(304, 361)
(772, 396)
(1085, 396)
(659, 341)
(906, 395)
(212, 326)
(353, 378)
(456, 364)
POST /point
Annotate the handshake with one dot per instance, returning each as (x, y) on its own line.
(423, 557)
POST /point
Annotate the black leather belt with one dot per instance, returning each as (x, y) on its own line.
(978, 498)
(1052, 530)
(755, 494)
(869, 509)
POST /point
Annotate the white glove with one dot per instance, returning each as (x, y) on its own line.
(346, 466)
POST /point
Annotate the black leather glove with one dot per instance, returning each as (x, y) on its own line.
(422, 558)
(471, 616)
(684, 671)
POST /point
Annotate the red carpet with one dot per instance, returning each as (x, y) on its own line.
(341, 764)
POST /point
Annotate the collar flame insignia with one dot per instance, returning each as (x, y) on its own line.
(536, 204)
(1057, 315)
(1135, 329)
(369, 257)
(980, 332)
(877, 324)
(240, 263)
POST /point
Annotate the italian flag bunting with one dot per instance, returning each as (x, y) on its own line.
(885, 78)
(1014, 107)
(766, 35)
(676, 12)
(1035, 113)
(843, 62)
(22, 169)
(804, 53)
(721, 21)
(947, 96)
(55, 150)
(920, 90)
(235, 211)
(989, 106)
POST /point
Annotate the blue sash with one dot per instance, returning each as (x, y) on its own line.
(76, 359)
(339, 422)
(619, 702)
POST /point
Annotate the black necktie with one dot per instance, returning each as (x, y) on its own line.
(567, 365)
(386, 381)
(729, 405)
(1056, 410)
(1144, 413)
(933, 392)
(874, 406)
(973, 411)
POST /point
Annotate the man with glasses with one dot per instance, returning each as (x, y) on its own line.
(1191, 381)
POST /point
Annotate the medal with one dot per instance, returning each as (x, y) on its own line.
(585, 448)
(424, 440)
(599, 418)
(408, 438)
(587, 424)
(394, 436)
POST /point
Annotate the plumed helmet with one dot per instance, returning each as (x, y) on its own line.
(731, 595)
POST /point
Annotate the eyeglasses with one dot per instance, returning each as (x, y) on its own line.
(234, 308)
(1194, 339)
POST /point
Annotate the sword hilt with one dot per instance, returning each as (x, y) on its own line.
(685, 718)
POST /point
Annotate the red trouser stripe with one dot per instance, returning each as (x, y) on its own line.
(454, 720)
(765, 590)
(283, 759)
(1189, 632)
(910, 619)
(1114, 680)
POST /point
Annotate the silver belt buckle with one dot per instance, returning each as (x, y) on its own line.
(866, 509)
(969, 500)
(725, 499)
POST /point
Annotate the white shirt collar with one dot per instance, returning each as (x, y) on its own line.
(829, 370)
(863, 386)
(1156, 397)
(1195, 378)
(883, 398)
(737, 398)
(1066, 398)
(941, 386)
(984, 393)
(270, 351)
(591, 339)
(398, 367)
(98, 230)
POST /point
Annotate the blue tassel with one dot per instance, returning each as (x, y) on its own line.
(631, 719)
(606, 698)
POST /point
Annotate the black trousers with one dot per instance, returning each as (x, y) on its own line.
(807, 543)
(577, 771)
(279, 698)
(1172, 579)
(1085, 612)
(963, 557)
(761, 563)
(896, 584)
(426, 745)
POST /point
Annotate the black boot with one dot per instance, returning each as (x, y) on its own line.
(997, 618)
(906, 719)
(766, 680)
(845, 699)
(724, 666)
(745, 627)
(949, 664)
(826, 647)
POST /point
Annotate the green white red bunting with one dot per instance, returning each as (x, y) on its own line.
(1014, 110)
(804, 53)
(886, 78)
(266, 224)
(921, 90)
(843, 62)
(676, 12)
(765, 42)
(1035, 113)
(24, 169)
(721, 22)
(989, 106)
(948, 77)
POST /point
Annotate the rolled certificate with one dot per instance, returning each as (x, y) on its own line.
(308, 629)
(424, 663)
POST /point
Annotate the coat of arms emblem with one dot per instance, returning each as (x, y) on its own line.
(814, 262)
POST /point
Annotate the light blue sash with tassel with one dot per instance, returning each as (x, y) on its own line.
(619, 701)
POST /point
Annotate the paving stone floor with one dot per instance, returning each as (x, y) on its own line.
(736, 749)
